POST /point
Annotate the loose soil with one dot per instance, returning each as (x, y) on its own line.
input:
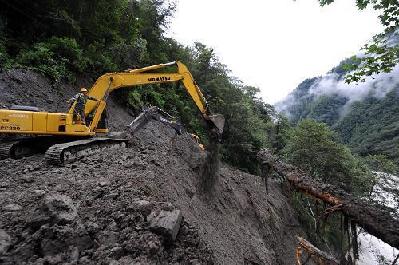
(95, 210)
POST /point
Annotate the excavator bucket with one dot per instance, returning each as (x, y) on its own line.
(217, 120)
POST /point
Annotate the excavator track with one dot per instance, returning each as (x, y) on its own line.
(18, 149)
(6, 149)
(65, 153)
(23, 147)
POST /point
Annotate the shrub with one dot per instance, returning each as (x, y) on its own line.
(58, 58)
(99, 60)
(134, 100)
(5, 60)
(381, 163)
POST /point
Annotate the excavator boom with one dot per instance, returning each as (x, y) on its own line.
(144, 76)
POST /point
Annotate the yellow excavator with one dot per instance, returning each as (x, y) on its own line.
(64, 139)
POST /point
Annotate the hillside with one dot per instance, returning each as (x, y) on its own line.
(365, 115)
(80, 40)
(154, 198)
(96, 210)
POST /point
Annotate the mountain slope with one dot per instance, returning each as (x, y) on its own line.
(365, 115)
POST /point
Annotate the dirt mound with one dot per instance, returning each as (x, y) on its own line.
(72, 215)
(100, 210)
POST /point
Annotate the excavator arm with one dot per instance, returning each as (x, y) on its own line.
(144, 76)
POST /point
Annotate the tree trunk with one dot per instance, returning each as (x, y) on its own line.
(377, 220)
(315, 254)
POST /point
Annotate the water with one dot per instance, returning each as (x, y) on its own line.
(372, 250)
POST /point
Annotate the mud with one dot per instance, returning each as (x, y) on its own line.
(95, 211)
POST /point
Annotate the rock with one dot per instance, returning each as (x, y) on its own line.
(4, 185)
(92, 227)
(143, 206)
(12, 207)
(56, 259)
(141, 260)
(113, 195)
(167, 206)
(128, 165)
(27, 179)
(195, 262)
(166, 223)
(114, 262)
(144, 242)
(5, 241)
(125, 261)
(104, 183)
(74, 255)
(60, 208)
(84, 260)
(116, 252)
(39, 192)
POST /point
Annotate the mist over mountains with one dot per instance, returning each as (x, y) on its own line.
(365, 115)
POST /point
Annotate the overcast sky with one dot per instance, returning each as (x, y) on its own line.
(275, 44)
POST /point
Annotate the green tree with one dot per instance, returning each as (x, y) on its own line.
(383, 53)
(313, 147)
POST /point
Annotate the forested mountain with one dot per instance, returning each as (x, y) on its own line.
(365, 115)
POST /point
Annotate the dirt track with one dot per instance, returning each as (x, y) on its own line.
(91, 211)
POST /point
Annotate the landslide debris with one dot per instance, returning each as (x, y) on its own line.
(139, 205)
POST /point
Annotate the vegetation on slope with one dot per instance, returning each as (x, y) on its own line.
(67, 40)
(368, 124)
(80, 38)
(74, 39)
(314, 148)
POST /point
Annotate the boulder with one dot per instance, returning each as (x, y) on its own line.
(166, 223)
